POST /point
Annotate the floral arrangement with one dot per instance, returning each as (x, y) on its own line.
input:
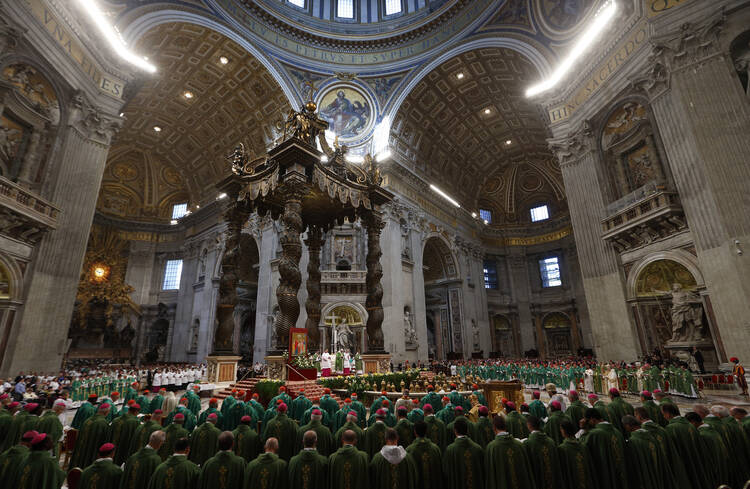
(303, 361)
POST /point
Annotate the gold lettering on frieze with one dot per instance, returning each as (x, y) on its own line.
(530, 240)
(601, 74)
(75, 50)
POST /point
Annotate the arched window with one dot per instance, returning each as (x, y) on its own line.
(343, 265)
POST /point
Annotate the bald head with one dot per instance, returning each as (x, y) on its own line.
(156, 439)
(349, 437)
(271, 446)
(309, 439)
(226, 441)
(701, 410)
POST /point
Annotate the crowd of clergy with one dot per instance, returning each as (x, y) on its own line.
(441, 441)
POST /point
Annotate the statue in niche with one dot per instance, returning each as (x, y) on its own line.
(687, 314)
(202, 265)
(409, 330)
(194, 336)
(405, 248)
(344, 336)
(9, 139)
(641, 168)
(475, 334)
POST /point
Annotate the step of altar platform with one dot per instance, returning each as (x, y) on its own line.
(246, 385)
(312, 389)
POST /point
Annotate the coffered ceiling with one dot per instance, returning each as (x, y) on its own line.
(468, 128)
(235, 102)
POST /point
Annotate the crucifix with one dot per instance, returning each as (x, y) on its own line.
(333, 319)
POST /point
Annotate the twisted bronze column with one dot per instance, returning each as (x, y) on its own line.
(290, 276)
(314, 242)
(374, 303)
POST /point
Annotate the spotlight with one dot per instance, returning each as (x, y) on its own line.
(157, 128)
(460, 76)
(474, 214)
(508, 142)
(221, 196)
(487, 111)
(173, 222)
(188, 95)
(223, 60)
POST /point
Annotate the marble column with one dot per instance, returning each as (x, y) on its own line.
(583, 175)
(418, 293)
(374, 303)
(519, 285)
(703, 117)
(39, 340)
(312, 305)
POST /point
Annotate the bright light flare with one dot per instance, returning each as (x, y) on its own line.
(444, 195)
(383, 155)
(113, 37)
(600, 21)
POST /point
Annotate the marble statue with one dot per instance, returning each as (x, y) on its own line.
(687, 314)
(475, 334)
(343, 336)
(409, 331)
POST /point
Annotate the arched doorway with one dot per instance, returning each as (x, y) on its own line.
(556, 327)
(443, 297)
(350, 320)
(506, 338)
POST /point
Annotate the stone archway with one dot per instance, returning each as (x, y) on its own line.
(557, 334)
(443, 295)
(356, 317)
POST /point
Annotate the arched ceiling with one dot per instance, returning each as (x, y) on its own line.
(148, 171)
(444, 133)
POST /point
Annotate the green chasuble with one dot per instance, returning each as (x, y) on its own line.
(516, 424)
(227, 404)
(145, 404)
(575, 411)
(642, 457)
(385, 474)
(739, 456)
(436, 431)
(155, 403)
(675, 476)
(225, 470)
(285, 430)
(685, 438)
(212, 410)
(552, 426)
(49, 423)
(102, 474)
(463, 465)
(39, 471)
(507, 464)
(374, 438)
(10, 461)
(308, 470)
(234, 416)
(139, 468)
(194, 402)
(123, 431)
(606, 448)
(174, 432)
(306, 416)
(432, 399)
(716, 455)
(350, 425)
(575, 465)
(541, 451)
(483, 431)
(446, 415)
(429, 463)
(267, 471)
(95, 433)
(299, 406)
(190, 420)
(84, 412)
(142, 434)
(450, 434)
(204, 443)
(340, 417)
(361, 411)
(329, 405)
(14, 430)
(347, 469)
(176, 473)
(536, 408)
(325, 438)
(415, 415)
(601, 406)
(654, 412)
(405, 430)
(246, 443)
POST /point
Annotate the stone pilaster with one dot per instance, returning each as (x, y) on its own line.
(703, 117)
(40, 340)
(613, 334)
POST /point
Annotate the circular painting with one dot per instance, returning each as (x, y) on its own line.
(348, 112)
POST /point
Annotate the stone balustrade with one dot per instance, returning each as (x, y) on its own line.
(341, 276)
(25, 215)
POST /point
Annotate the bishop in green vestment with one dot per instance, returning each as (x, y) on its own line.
(463, 460)
(143, 433)
(348, 467)
(103, 473)
(173, 432)
(576, 408)
(375, 434)
(177, 471)
(675, 475)
(483, 428)
(309, 469)
(95, 433)
(328, 403)
(431, 398)
(575, 462)
(39, 470)
(427, 458)
(404, 428)
(340, 417)
(299, 405)
(204, 441)
(144, 402)
(84, 412)
(436, 430)
(360, 409)
(324, 438)
(606, 447)
(416, 413)
(12, 459)
(316, 405)
(536, 406)
(246, 441)
(194, 402)
(190, 420)
(642, 456)
(446, 414)
(556, 418)
(541, 451)
(685, 438)
(351, 424)
(713, 449)
(213, 404)
(157, 400)
(228, 402)
(50, 423)
(143, 463)
(506, 462)
(123, 432)
(225, 470)
(284, 430)
(515, 422)
(392, 467)
(268, 471)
